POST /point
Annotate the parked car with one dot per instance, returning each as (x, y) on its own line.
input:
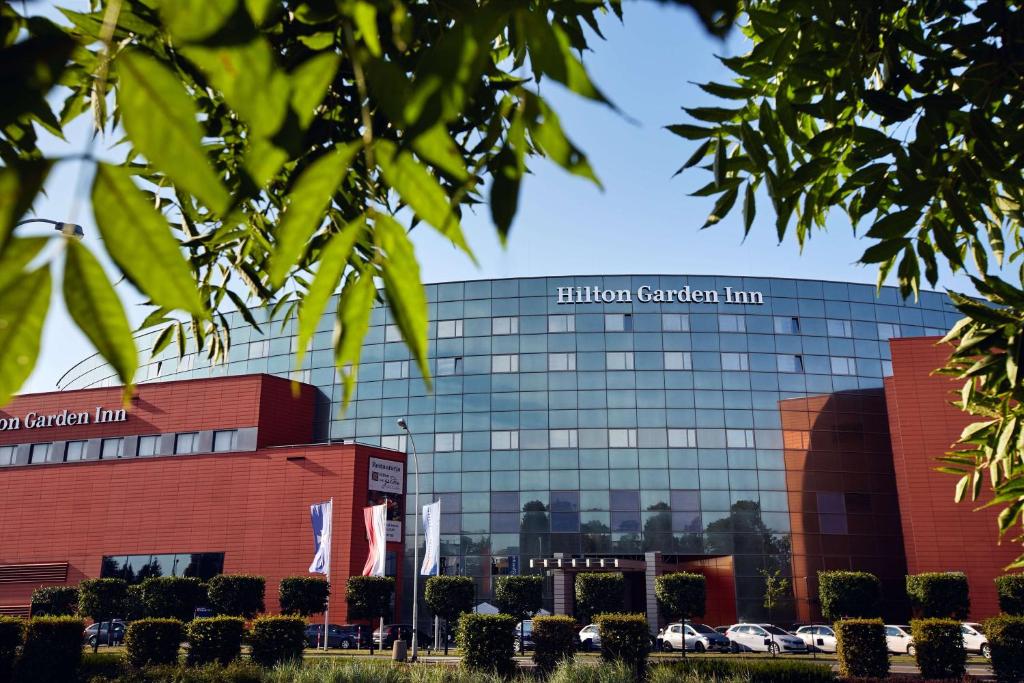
(527, 632)
(763, 638)
(899, 640)
(590, 637)
(818, 637)
(113, 635)
(699, 638)
(975, 640)
(723, 629)
(345, 637)
(393, 632)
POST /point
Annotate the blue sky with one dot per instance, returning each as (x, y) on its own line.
(642, 222)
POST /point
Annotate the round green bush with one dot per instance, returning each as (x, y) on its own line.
(153, 641)
(845, 594)
(237, 595)
(488, 642)
(940, 648)
(625, 638)
(941, 595)
(599, 593)
(1011, 594)
(303, 595)
(55, 601)
(1005, 635)
(861, 648)
(12, 633)
(215, 640)
(52, 650)
(277, 639)
(172, 597)
(555, 640)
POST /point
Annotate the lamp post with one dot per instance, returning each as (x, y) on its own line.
(403, 425)
(67, 229)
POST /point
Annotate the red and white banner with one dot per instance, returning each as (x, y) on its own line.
(376, 518)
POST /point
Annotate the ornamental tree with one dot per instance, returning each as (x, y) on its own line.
(101, 600)
(682, 595)
(237, 595)
(304, 595)
(939, 595)
(172, 597)
(519, 596)
(599, 593)
(449, 597)
(369, 597)
(55, 601)
(845, 594)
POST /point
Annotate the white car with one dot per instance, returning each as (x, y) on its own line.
(590, 637)
(699, 638)
(763, 638)
(899, 640)
(975, 640)
(820, 638)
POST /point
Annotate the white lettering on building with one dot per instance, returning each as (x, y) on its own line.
(64, 418)
(648, 295)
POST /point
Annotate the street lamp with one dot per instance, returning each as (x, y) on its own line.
(67, 229)
(403, 425)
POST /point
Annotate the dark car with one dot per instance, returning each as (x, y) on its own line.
(393, 632)
(111, 633)
(336, 636)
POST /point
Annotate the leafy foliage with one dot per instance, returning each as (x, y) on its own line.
(449, 597)
(101, 599)
(55, 601)
(845, 594)
(215, 639)
(940, 648)
(598, 593)
(555, 640)
(939, 594)
(237, 595)
(519, 595)
(907, 118)
(625, 638)
(747, 670)
(369, 597)
(52, 650)
(1011, 594)
(153, 641)
(172, 597)
(682, 595)
(861, 648)
(12, 633)
(304, 595)
(487, 642)
(277, 639)
(1006, 638)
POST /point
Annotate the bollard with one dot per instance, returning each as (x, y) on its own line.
(398, 651)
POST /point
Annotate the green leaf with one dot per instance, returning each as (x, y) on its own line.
(722, 207)
(894, 225)
(195, 20)
(436, 146)
(333, 260)
(420, 191)
(551, 54)
(718, 169)
(548, 133)
(354, 308)
(309, 83)
(19, 185)
(749, 208)
(696, 157)
(505, 180)
(307, 204)
(403, 288)
(883, 251)
(97, 310)
(364, 14)
(17, 256)
(23, 306)
(139, 240)
(260, 10)
(160, 118)
(691, 132)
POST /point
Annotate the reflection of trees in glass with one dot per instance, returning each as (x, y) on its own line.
(744, 533)
(533, 530)
(658, 528)
(149, 570)
(596, 536)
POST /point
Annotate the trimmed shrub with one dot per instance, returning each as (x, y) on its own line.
(52, 650)
(100, 667)
(748, 671)
(861, 648)
(172, 597)
(624, 637)
(682, 595)
(277, 639)
(369, 597)
(12, 632)
(214, 640)
(237, 595)
(943, 595)
(488, 642)
(599, 593)
(1005, 635)
(844, 594)
(102, 599)
(153, 641)
(449, 597)
(134, 606)
(519, 596)
(940, 647)
(55, 601)
(303, 595)
(236, 672)
(1011, 594)
(555, 640)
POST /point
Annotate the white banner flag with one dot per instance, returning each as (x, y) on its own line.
(321, 515)
(432, 538)
(376, 518)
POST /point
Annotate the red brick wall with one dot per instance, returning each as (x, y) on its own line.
(939, 535)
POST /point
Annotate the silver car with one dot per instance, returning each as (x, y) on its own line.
(763, 638)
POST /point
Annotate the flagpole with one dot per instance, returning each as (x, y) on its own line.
(327, 603)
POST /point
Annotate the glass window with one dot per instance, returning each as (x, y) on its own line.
(225, 441)
(38, 452)
(558, 362)
(111, 448)
(739, 438)
(563, 438)
(787, 325)
(735, 361)
(257, 349)
(678, 360)
(505, 325)
(675, 322)
(449, 366)
(73, 451)
(565, 501)
(888, 331)
(187, 442)
(395, 442)
(148, 444)
(392, 333)
(619, 360)
(790, 363)
(618, 322)
(682, 438)
(7, 454)
(504, 440)
(622, 438)
(840, 328)
(446, 442)
(732, 323)
(398, 369)
(508, 362)
(844, 366)
(561, 323)
(447, 329)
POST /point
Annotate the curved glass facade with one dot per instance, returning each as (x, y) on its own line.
(610, 415)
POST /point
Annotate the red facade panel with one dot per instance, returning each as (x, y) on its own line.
(939, 535)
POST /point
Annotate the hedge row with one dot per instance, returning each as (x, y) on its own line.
(488, 642)
(861, 648)
(555, 640)
(749, 671)
(51, 651)
(940, 647)
(1005, 635)
(624, 638)
(153, 641)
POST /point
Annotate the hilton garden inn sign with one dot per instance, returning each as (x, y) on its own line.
(647, 294)
(64, 418)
